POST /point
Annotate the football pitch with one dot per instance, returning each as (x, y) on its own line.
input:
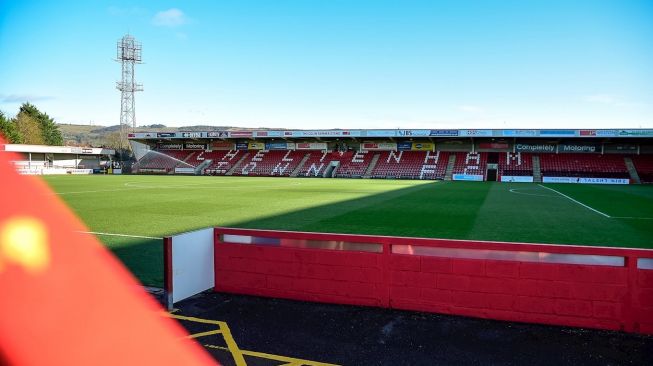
(130, 213)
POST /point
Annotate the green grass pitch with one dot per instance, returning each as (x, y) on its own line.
(155, 206)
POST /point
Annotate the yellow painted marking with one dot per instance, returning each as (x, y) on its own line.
(223, 328)
(236, 352)
(203, 334)
(291, 361)
(24, 241)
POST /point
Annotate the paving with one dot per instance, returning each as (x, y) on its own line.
(246, 330)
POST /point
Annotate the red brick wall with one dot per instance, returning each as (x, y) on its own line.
(604, 297)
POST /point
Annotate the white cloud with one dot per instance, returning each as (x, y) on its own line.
(170, 18)
(470, 108)
(21, 98)
(608, 99)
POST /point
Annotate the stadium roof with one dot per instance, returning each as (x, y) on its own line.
(399, 133)
(21, 148)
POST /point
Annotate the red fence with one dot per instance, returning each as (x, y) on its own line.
(594, 287)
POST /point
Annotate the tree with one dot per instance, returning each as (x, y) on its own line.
(29, 128)
(49, 130)
(9, 131)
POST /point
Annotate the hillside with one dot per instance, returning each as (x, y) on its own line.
(87, 135)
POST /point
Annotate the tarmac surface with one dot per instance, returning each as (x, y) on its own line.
(246, 330)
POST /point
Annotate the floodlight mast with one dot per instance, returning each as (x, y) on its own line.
(129, 54)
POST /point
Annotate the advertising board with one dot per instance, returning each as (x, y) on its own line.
(468, 177)
(311, 145)
(184, 170)
(170, 146)
(423, 146)
(476, 133)
(579, 148)
(194, 146)
(519, 133)
(276, 146)
(404, 146)
(494, 145)
(222, 145)
(165, 134)
(256, 146)
(536, 148)
(517, 178)
(218, 134)
(379, 146)
(558, 133)
(241, 146)
(241, 133)
(443, 133)
(585, 180)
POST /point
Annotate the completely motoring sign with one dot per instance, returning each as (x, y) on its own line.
(536, 148)
(579, 148)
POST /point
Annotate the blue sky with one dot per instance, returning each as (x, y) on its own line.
(336, 63)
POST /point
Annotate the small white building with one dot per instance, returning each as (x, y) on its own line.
(43, 159)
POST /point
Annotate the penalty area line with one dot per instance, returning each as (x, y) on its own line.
(121, 235)
(578, 202)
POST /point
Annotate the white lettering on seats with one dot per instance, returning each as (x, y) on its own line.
(358, 157)
(279, 169)
(286, 157)
(315, 169)
(259, 156)
(393, 154)
(231, 154)
(428, 157)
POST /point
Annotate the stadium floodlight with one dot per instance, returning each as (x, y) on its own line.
(129, 54)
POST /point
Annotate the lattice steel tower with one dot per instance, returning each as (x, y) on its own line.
(129, 54)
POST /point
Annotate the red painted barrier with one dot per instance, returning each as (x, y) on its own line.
(505, 281)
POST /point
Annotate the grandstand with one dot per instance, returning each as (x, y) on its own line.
(586, 156)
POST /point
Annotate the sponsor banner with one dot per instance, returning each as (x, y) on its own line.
(82, 171)
(579, 148)
(494, 145)
(517, 178)
(558, 133)
(241, 134)
(192, 135)
(607, 133)
(404, 146)
(620, 149)
(170, 146)
(256, 146)
(311, 145)
(585, 180)
(268, 133)
(379, 146)
(423, 146)
(587, 133)
(165, 134)
(470, 177)
(443, 133)
(221, 145)
(218, 134)
(151, 170)
(546, 148)
(323, 133)
(87, 150)
(476, 133)
(413, 133)
(241, 146)
(519, 133)
(276, 146)
(381, 133)
(194, 146)
(185, 170)
(635, 133)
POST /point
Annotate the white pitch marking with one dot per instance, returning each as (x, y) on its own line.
(121, 235)
(631, 218)
(514, 190)
(578, 202)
